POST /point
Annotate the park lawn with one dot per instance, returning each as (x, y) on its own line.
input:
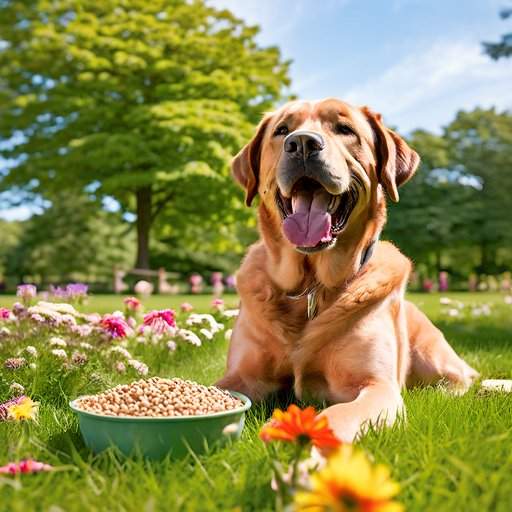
(452, 453)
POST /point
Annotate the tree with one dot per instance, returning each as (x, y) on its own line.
(432, 216)
(454, 213)
(503, 48)
(480, 143)
(73, 239)
(141, 101)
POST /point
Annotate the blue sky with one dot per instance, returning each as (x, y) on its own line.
(415, 61)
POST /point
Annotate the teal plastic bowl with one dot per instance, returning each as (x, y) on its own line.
(155, 438)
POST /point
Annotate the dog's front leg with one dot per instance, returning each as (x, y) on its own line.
(377, 404)
(256, 365)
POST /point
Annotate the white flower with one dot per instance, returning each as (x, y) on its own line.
(60, 353)
(86, 346)
(47, 307)
(171, 346)
(16, 389)
(189, 337)
(483, 310)
(144, 288)
(120, 367)
(445, 300)
(198, 319)
(508, 299)
(32, 366)
(93, 318)
(231, 313)
(122, 351)
(67, 320)
(139, 366)
(82, 330)
(453, 312)
(57, 342)
(31, 351)
(227, 334)
(207, 334)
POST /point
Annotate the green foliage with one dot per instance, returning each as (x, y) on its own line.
(74, 239)
(128, 95)
(503, 48)
(10, 238)
(454, 212)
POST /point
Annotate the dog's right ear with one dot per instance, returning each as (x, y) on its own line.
(246, 165)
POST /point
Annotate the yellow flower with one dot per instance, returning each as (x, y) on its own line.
(350, 483)
(24, 409)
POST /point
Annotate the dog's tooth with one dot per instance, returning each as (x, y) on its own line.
(335, 202)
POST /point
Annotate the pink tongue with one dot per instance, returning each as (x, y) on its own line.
(310, 223)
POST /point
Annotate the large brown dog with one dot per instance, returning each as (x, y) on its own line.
(322, 301)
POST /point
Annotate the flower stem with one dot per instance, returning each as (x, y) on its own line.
(295, 468)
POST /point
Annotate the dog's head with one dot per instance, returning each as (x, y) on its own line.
(318, 165)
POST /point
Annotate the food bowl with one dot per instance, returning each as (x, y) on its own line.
(157, 437)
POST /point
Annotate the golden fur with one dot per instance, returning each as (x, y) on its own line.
(367, 341)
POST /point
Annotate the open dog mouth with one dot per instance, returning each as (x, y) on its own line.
(313, 218)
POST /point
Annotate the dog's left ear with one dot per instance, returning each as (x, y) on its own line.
(396, 161)
(245, 167)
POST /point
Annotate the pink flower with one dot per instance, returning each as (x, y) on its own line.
(195, 279)
(160, 322)
(218, 304)
(132, 303)
(186, 307)
(115, 326)
(24, 466)
(5, 314)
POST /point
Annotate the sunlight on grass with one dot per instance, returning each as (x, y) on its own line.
(452, 453)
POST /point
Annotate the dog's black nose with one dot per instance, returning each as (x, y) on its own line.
(303, 144)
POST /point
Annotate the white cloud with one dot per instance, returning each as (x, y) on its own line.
(275, 19)
(17, 213)
(444, 78)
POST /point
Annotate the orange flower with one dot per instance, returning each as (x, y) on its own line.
(299, 426)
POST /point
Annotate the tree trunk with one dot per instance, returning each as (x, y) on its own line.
(439, 260)
(144, 196)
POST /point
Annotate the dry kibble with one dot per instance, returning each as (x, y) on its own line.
(157, 397)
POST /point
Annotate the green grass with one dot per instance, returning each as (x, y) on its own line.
(452, 453)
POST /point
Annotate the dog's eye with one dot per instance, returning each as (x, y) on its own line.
(281, 130)
(344, 129)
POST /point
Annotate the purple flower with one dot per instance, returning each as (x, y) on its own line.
(26, 292)
(58, 292)
(231, 282)
(77, 291)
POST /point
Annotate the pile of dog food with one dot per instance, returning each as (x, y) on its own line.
(157, 397)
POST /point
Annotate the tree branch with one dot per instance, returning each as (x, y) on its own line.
(160, 205)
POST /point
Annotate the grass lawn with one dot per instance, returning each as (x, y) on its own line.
(452, 453)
